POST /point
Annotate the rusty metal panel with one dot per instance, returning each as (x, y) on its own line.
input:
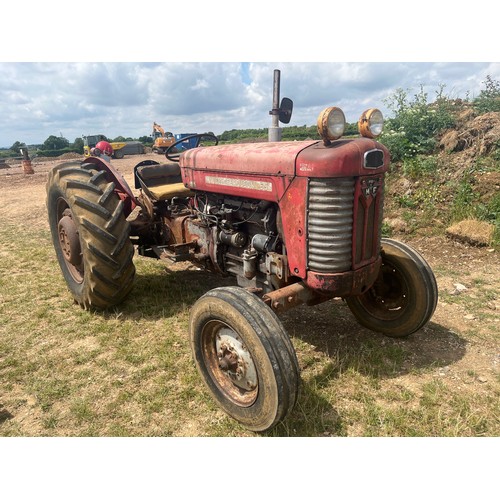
(342, 158)
(294, 223)
(258, 187)
(345, 284)
(271, 158)
(367, 229)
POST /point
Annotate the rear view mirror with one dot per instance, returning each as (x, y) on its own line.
(285, 111)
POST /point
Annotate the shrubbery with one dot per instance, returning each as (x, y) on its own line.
(413, 129)
(417, 123)
(56, 152)
(489, 98)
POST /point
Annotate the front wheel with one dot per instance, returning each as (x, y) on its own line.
(404, 296)
(244, 357)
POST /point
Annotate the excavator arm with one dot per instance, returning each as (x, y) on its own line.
(158, 128)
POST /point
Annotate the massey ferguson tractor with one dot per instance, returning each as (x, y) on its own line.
(293, 222)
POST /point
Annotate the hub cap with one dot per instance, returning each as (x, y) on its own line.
(230, 363)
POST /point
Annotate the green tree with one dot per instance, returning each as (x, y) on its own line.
(54, 142)
(17, 146)
(146, 139)
(78, 145)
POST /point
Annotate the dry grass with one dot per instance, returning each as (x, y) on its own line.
(473, 232)
(129, 372)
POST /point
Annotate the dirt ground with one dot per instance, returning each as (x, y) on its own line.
(465, 272)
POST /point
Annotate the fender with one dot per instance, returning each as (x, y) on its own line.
(122, 189)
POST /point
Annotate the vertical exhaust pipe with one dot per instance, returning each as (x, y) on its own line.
(281, 112)
(274, 134)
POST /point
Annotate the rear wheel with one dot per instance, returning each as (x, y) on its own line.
(244, 356)
(119, 154)
(404, 296)
(90, 235)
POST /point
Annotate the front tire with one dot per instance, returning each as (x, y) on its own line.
(90, 235)
(244, 357)
(404, 296)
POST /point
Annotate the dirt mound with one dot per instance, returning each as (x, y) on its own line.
(70, 156)
(478, 135)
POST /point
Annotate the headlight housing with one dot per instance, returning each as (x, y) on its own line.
(331, 124)
(371, 123)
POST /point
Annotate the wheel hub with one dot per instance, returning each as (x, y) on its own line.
(235, 360)
(388, 290)
(70, 241)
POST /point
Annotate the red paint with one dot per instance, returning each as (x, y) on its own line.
(260, 187)
(279, 172)
(345, 284)
(293, 216)
(121, 187)
(343, 158)
(268, 158)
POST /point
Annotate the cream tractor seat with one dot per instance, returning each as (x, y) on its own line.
(162, 181)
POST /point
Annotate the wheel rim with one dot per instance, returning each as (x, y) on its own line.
(230, 363)
(69, 242)
(388, 298)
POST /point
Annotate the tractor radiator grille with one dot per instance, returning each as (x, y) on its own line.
(330, 221)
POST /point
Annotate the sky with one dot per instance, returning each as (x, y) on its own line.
(71, 99)
(214, 70)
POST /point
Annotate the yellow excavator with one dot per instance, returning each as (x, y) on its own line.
(162, 140)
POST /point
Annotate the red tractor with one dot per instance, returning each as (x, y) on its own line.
(294, 222)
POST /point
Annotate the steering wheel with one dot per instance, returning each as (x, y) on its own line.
(174, 156)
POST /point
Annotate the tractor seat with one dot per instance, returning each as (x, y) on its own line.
(162, 181)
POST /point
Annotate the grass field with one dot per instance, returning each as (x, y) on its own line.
(129, 371)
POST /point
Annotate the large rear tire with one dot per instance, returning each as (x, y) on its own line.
(90, 235)
(244, 357)
(404, 296)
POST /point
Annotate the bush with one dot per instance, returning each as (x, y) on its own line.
(489, 98)
(467, 204)
(413, 129)
(55, 152)
(420, 166)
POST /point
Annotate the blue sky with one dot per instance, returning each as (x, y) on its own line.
(125, 98)
(219, 63)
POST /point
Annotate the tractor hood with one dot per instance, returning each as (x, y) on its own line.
(265, 170)
(349, 157)
(268, 158)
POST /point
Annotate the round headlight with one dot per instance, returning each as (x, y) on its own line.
(371, 123)
(331, 124)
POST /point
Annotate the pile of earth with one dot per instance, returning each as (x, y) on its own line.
(70, 156)
(474, 140)
(474, 135)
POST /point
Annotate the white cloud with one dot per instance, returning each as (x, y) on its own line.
(42, 99)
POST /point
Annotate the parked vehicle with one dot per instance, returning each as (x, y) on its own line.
(162, 140)
(120, 149)
(294, 223)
